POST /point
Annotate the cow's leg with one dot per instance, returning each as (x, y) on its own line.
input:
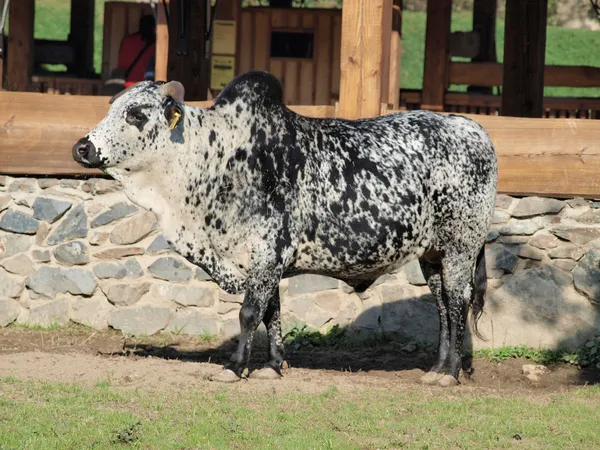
(432, 271)
(261, 287)
(272, 369)
(458, 286)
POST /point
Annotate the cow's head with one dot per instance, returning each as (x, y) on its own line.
(135, 133)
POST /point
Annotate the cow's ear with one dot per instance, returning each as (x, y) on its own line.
(173, 113)
(173, 89)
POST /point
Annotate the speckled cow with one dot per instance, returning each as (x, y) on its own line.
(253, 192)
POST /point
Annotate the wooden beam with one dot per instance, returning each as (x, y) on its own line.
(366, 24)
(437, 51)
(187, 62)
(491, 74)
(81, 37)
(524, 58)
(161, 57)
(395, 55)
(19, 64)
(484, 24)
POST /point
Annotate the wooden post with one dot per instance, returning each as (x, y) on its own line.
(484, 23)
(366, 37)
(437, 54)
(19, 64)
(187, 63)
(395, 55)
(161, 57)
(524, 58)
(81, 37)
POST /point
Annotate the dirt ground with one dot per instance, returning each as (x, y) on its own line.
(184, 362)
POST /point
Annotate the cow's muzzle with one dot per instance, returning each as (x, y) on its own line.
(84, 152)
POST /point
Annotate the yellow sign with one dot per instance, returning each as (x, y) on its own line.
(221, 71)
(223, 40)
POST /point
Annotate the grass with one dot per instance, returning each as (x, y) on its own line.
(564, 46)
(71, 416)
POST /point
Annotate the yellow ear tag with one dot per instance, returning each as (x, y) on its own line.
(174, 120)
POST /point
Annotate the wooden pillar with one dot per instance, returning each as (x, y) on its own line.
(524, 58)
(187, 63)
(484, 23)
(19, 64)
(161, 57)
(437, 54)
(81, 37)
(395, 55)
(365, 69)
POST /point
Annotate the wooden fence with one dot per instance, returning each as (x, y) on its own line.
(547, 157)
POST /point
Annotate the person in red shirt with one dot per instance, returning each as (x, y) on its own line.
(141, 45)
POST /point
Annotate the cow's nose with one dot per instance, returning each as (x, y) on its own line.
(84, 152)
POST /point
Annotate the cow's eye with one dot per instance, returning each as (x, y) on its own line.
(135, 117)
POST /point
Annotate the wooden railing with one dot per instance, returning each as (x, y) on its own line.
(65, 85)
(548, 157)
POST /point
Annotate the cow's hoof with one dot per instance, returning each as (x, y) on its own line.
(266, 373)
(447, 381)
(431, 377)
(225, 376)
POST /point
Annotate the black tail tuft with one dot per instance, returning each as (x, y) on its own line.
(480, 287)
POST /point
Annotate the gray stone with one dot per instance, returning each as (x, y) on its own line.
(130, 269)
(225, 308)
(595, 205)
(520, 227)
(565, 264)
(119, 252)
(304, 284)
(4, 202)
(4, 180)
(125, 294)
(42, 232)
(47, 314)
(19, 265)
(158, 245)
(50, 210)
(230, 328)
(500, 258)
(60, 191)
(542, 286)
(170, 269)
(535, 206)
(10, 285)
(69, 183)
(413, 272)
(184, 295)
(45, 183)
(24, 199)
(329, 300)
(18, 222)
(577, 202)
(98, 238)
(492, 235)
(12, 244)
(134, 229)
(99, 186)
(9, 311)
(92, 312)
(50, 281)
(41, 255)
(116, 212)
(230, 298)
(514, 240)
(193, 321)
(72, 253)
(567, 250)
(24, 185)
(577, 235)
(500, 217)
(503, 201)
(586, 274)
(530, 252)
(73, 226)
(141, 319)
(544, 241)
(590, 217)
(201, 275)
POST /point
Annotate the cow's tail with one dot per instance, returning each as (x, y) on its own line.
(480, 287)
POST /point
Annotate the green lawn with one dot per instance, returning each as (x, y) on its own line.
(564, 46)
(69, 416)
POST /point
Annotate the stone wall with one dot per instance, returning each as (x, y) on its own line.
(74, 250)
